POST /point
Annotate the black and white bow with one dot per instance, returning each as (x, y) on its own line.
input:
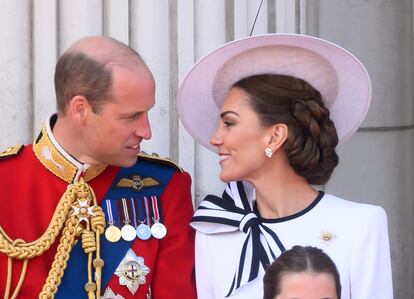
(234, 212)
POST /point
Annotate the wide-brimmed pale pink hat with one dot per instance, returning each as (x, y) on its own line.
(339, 76)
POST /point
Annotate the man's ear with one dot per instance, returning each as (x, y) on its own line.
(278, 137)
(79, 108)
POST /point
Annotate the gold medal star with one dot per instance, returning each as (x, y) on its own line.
(83, 211)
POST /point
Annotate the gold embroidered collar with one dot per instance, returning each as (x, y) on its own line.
(58, 161)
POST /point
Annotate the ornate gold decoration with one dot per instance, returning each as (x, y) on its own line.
(11, 151)
(57, 163)
(137, 183)
(67, 221)
(327, 237)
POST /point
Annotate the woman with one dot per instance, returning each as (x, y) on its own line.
(284, 102)
(302, 272)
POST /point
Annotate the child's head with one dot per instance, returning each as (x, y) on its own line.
(302, 273)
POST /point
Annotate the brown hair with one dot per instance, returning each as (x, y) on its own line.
(78, 74)
(82, 71)
(296, 260)
(312, 137)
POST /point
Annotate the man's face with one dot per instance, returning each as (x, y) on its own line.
(113, 135)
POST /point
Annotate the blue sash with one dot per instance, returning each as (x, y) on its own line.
(76, 276)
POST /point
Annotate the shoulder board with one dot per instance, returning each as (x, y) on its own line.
(156, 158)
(11, 151)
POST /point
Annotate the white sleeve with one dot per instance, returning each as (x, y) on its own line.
(371, 262)
(202, 268)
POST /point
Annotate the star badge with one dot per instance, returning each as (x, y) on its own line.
(83, 211)
(132, 271)
(109, 294)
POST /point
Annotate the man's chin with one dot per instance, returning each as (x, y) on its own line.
(127, 162)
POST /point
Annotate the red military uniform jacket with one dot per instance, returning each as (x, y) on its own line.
(34, 178)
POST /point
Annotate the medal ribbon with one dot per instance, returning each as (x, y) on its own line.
(109, 209)
(134, 214)
(141, 210)
(147, 211)
(155, 211)
(125, 209)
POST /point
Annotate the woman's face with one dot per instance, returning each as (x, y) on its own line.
(240, 139)
(307, 285)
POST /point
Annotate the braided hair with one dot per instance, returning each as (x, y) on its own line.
(312, 137)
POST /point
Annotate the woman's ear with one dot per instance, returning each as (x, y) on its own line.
(279, 136)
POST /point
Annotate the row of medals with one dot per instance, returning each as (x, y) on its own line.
(129, 233)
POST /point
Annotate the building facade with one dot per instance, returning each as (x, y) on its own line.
(376, 164)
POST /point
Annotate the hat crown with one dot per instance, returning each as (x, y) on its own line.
(278, 60)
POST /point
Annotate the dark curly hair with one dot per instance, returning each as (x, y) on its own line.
(312, 137)
(296, 260)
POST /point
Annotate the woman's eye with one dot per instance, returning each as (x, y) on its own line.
(228, 123)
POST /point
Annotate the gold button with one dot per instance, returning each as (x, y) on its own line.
(326, 236)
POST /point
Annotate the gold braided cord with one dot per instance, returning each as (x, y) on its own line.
(88, 241)
(9, 277)
(98, 263)
(30, 250)
(10, 272)
(77, 204)
(88, 245)
(98, 223)
(21, 279)
(59, 264)
(72, 229)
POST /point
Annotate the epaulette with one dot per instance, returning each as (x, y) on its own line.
(156, 158)
(11, 151)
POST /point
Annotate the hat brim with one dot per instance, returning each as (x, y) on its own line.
(339, 76)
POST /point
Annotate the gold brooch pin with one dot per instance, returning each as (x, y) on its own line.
(327, 237)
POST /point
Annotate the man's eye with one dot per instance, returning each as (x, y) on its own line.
(132, 117)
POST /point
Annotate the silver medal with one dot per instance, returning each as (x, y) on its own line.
(143, 231)
(158, 230)
(128, 232)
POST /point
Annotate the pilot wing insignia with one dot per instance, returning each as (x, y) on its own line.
(137, 183)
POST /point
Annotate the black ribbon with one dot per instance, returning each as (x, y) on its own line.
(232, 211)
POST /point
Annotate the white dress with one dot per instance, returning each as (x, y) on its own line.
(354, 235)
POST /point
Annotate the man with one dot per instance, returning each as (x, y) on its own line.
(52, 238)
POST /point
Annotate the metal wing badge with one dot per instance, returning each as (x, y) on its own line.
(137, 183)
